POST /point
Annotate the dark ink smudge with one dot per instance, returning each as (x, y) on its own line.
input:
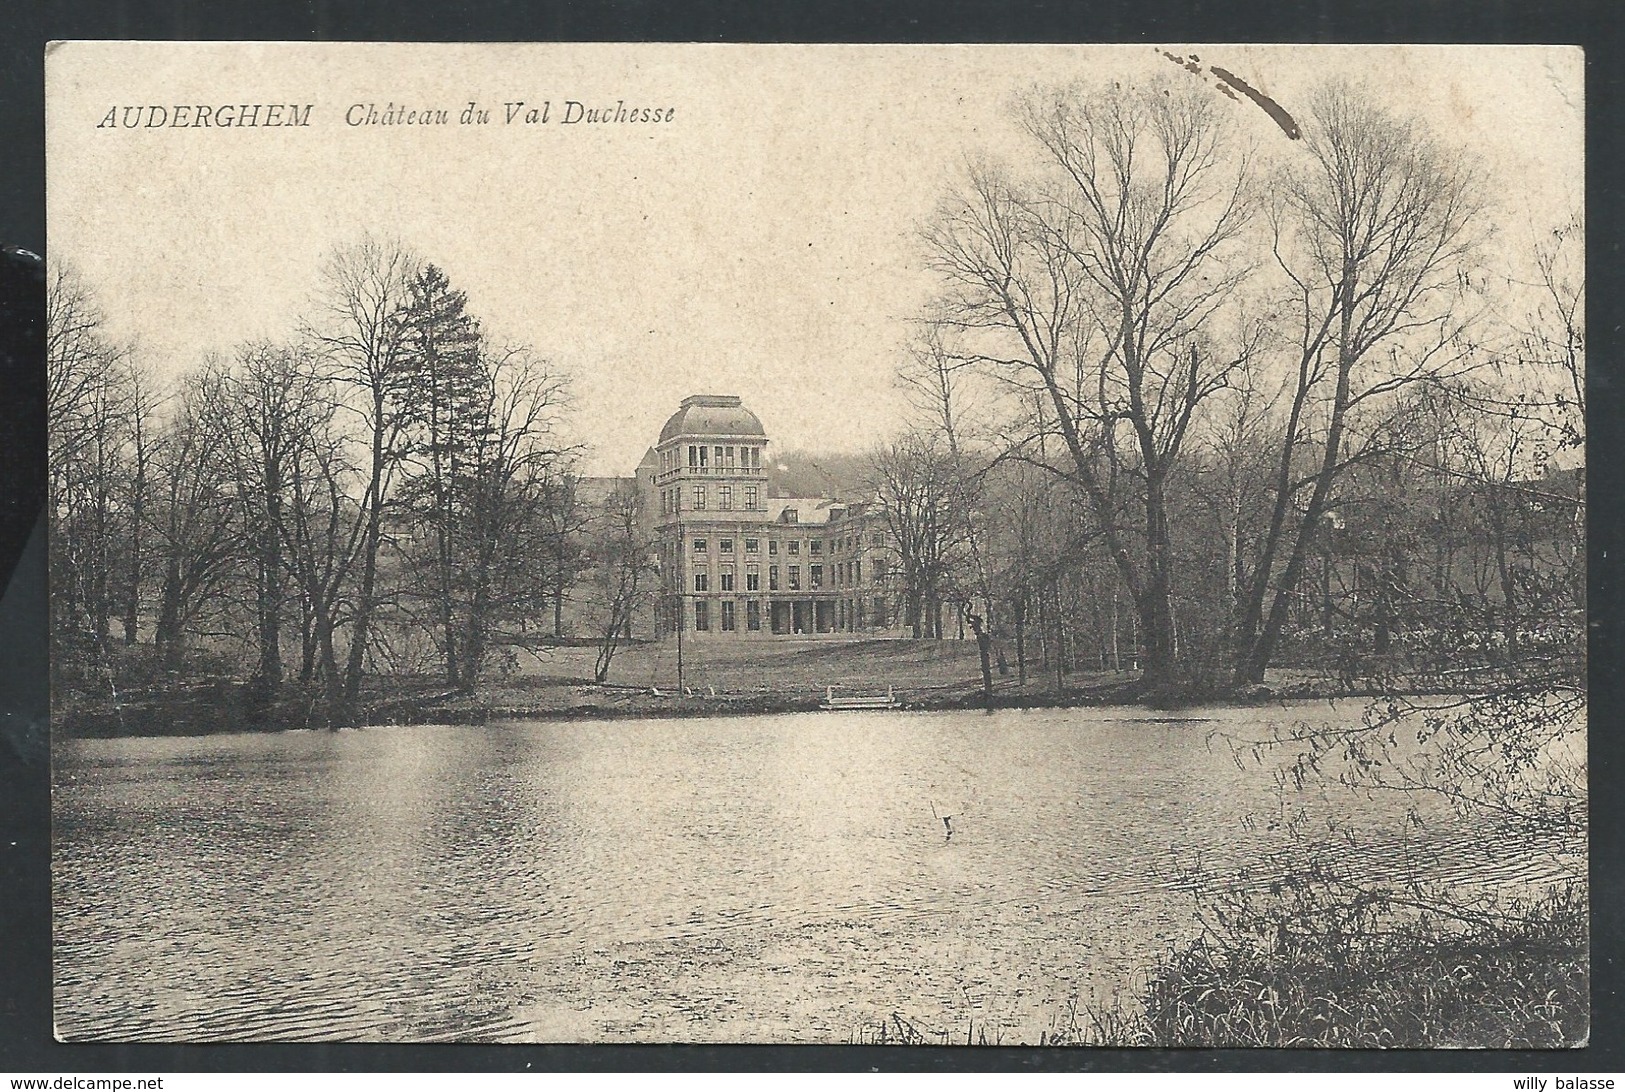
(1267, 104)
(1189, 66)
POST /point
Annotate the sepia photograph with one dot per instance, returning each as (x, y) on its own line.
(1066, 545)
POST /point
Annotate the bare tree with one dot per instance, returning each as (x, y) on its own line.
(322, 528)
(1547, 343)
(564, 521)
(937, 383)
(1372, 230)
(919, 484)
(1099, 289)
(270, 402)
(197, 526)
(141, 409)
(624, 556)
(96, 411)
(362, 325)
(500, 510)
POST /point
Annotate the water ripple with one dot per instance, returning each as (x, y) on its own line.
(774, 878)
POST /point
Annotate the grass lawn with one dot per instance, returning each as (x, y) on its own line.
(785, 666)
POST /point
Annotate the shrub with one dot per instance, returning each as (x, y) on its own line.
(1370, 975)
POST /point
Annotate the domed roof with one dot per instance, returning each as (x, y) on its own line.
(712, 415)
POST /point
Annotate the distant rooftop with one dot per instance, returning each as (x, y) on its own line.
(807, 509)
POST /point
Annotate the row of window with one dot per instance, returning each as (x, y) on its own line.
(719, 456)
(815, 547)
(671, 500)
(853, 614)
(753, 616)
(855, 542)
(845, 575)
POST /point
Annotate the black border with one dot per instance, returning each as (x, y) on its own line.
(26, 1043)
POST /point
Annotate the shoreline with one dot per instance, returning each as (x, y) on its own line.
(215, 709)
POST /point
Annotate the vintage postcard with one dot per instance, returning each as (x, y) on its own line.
(1068, 545)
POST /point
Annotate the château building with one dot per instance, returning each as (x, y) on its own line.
(737, 562)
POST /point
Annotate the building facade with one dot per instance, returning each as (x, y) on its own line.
(736, 562)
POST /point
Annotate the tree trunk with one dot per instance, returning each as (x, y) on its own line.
(269, 675)
(362, 630)
(475, 636)
(558, 602)
(138, 505)
(984, 643)
(167, 634)
(307, 642)
(1155, 602)
(1021, 640)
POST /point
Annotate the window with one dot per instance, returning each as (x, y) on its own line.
(772, 546)
(702, 616)
(772, 578)
(702, 454)
(727, 616)
(699, 498)
(791, 515)
(795, 547)
(718, 453)
(753, 545)
(857, 573)
(859, 620)
(878, 538)
(816, 576)
(725, 497)
(699, 545)
(880, 610)
(750, 498)
(880, 570)
(753, 579)
(726, 545)
(730, 456)
(795, 577)
(816, 546)
(693, 459)
(753, 616)
(702, 580)
(727, 580)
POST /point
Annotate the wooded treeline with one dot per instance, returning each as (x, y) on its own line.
(1185, 409)
(386, 490)
(1180, 409)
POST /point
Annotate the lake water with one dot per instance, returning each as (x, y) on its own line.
(775, 878)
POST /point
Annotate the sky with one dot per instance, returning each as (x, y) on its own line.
(764, 242)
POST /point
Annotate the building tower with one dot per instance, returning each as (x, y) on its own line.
(735, 562)
(709, 483)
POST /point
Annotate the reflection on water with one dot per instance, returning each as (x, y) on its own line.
(780, 878)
